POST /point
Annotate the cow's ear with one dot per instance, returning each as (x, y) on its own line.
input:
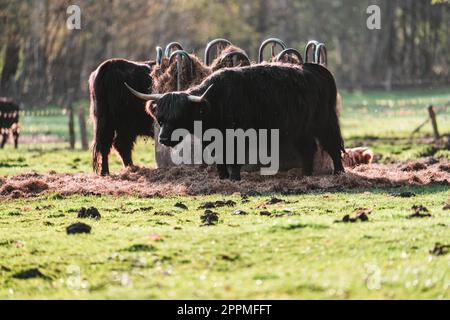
(150, 108)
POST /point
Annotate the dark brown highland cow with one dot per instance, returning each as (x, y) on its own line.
(300, 101)
(117, 116)
(9, 121)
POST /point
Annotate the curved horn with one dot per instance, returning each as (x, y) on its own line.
(288, 52)
(312, 45)
(240, 55)
(159, 55)
(171, 46)
(213, 43)
(143, 96)
(202, 98)
(320, 54)
(273, 41)
(183, 53)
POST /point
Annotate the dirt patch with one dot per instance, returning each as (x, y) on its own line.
(30, 274)
(181, 205)
(217, 204)
(360, 214)
(78, 227)
(419, 211)
(440, 249)
(91, 213)
(203, 180)
(405, 194)
(209, 218)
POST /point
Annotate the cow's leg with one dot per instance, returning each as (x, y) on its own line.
(235, 170)
(105, 149)
(222, 170)
(5, 136)
(124, 146)
(16, 139)
(334, 150)
(307, 147)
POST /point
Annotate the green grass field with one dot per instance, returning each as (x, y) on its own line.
(146, 248)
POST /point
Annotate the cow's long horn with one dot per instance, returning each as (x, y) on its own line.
(200, 99)
(143, 96)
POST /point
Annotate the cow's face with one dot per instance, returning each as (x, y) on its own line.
(174, 111)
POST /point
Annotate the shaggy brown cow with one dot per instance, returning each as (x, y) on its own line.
(117, 116)
(9, 121)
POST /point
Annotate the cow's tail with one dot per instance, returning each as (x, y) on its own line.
(95, 146)
(334, 109)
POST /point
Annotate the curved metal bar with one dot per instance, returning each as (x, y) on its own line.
(181, 54)
(273, 41)
(288, 52)
(238, 54)
(312, 45)
(159, 55)
(170, 46)
(320, 54)
(211, 44)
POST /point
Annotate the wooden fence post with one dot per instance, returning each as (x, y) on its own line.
(71, 119)
(83, 133)
(436, 134)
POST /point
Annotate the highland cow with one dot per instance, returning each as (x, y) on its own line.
(9, 121)
(118, 117)
(299, 101)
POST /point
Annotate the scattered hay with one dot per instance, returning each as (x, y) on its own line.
(414, 166)
(24, 186)
(203, 180)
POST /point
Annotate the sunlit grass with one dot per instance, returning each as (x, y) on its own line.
(134, 252)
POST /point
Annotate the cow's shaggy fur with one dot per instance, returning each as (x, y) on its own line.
(300, 101)
(9, 121)
(118, 117)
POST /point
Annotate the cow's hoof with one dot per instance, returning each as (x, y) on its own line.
(223, 176)
(235, 178)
